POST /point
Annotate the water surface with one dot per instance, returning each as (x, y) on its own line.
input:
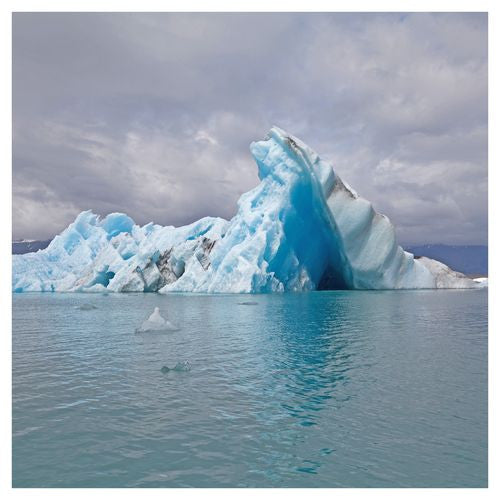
(321, 389)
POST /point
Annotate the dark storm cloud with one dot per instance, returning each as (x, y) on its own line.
(152, 114)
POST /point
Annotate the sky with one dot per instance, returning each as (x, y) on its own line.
(153, 114)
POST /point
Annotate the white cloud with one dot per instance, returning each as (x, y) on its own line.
(153, 114)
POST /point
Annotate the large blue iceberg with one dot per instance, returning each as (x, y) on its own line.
(302, 228)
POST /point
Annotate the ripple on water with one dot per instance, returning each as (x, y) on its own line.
(320, 389)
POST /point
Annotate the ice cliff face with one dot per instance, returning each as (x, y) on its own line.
(300, 229)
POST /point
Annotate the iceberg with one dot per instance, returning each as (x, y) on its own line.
(156, 323)
(301, 229)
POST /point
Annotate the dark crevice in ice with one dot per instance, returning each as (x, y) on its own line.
(332, 279)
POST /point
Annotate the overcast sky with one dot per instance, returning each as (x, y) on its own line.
(152, 114)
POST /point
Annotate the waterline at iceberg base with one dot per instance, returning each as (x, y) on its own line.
(302, 228)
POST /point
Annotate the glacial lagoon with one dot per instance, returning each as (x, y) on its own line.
(321, 389)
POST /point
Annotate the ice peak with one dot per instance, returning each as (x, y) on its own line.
(116, 223)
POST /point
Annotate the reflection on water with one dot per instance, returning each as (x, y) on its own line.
(319, 389)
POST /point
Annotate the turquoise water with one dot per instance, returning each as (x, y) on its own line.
(316, 389)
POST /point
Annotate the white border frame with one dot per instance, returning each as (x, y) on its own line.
(6, 9)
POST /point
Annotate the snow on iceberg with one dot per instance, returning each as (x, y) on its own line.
(302, 228)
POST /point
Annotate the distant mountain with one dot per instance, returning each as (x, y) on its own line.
(467, 259)
(27, 246)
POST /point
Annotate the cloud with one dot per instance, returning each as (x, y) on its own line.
(152, 114)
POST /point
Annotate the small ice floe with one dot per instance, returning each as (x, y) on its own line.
(482, 282)
(181, 366)
(87, 307)
(249, 303)
(156, 323)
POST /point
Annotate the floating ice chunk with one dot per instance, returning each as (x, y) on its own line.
(181, 366)
(482, 281)
(87, 307)
(156, 323)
